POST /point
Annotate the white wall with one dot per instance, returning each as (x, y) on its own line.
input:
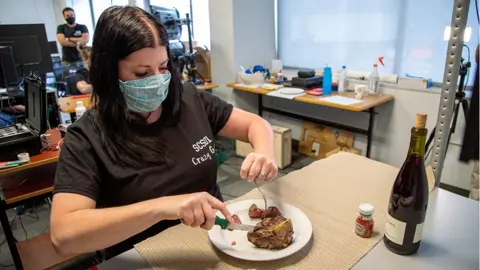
(239, 38)
(29, 11)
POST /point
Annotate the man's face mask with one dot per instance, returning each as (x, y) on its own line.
(146, 94)
(70, 20)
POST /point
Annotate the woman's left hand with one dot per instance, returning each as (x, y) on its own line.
(258, 167)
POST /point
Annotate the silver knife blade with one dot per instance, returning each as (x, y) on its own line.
(241, 227)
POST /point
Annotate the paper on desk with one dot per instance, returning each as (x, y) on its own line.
(340, 100)
(249, 85)
(280, 95)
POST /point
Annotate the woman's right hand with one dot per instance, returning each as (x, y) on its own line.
(198, 209)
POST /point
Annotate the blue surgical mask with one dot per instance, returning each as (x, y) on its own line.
(146, 94)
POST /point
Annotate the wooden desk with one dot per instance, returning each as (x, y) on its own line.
(38, 160)
(22, 183)
(207, 86)
(68, 104)
(368, 105)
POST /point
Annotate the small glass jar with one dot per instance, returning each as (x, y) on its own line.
(364, 226)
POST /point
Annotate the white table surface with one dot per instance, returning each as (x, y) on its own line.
(450, 241)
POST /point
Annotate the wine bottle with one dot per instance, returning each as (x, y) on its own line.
(409, 197)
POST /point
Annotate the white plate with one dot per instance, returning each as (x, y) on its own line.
(243, 249)
(291, 91)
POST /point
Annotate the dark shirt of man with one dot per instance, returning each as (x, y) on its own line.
(71, 54)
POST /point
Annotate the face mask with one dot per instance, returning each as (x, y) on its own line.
(146, 94)
(70, 20)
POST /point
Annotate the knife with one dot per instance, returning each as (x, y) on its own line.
(225, 224)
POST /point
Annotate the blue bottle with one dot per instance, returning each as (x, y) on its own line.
(327, 80)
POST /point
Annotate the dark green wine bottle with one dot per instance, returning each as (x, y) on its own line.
(407, 207)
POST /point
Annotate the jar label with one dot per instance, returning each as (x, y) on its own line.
(418, 233)
(360, 230)
(395, 229)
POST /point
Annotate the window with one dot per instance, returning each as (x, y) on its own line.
(83, 15)
(201, 22)
(98, 7)
(312, 33)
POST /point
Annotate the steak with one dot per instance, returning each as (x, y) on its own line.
(272, 233)
(255, 212)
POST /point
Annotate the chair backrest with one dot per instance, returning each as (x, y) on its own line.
(71, 81)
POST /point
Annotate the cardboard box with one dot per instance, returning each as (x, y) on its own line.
(203, 64)
(319, 141)
(283, 147)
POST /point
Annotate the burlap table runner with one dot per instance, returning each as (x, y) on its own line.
(328, 191)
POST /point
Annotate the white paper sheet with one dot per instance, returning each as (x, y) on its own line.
(340, 100)
(280, 95)
(249, 85)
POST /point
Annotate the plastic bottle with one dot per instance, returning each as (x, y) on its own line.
(342, 82)
(327, 80)
(80, 109)
(373, 81)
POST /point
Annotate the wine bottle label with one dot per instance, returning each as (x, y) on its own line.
(395, 229)
(418, 233)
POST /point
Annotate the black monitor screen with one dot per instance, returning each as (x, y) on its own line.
(25, 49)
(8, 70)
(23, 37)
(53, 47)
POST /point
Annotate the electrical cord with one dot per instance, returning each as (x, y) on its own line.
(476, 8)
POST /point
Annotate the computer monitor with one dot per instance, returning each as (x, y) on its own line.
(30, 46)
(52, 45)
(8, 70)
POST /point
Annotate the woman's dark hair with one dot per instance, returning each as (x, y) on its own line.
(121, 31)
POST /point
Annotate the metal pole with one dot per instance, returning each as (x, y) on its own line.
(191, 18)
(92, 14)
(450, 77)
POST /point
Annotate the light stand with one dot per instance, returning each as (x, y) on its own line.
(187, 59)
(459, 100)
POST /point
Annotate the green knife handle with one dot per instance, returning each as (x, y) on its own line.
(223, 223)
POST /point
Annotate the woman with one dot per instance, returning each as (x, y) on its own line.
(83, 81)
(143, 158)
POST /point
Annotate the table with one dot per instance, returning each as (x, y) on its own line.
(450, 238)
(445, 245)
(207, 87)
(68, 104)
(29, 181)
(368, 105)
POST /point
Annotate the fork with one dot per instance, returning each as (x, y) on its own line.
(263, 195)
(258, 187)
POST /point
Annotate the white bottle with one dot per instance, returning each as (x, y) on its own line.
(373, 81)
(80, 109)
(342, 82)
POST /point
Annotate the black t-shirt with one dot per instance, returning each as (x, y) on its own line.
(85, 167)
(71, 54)
(80, 75)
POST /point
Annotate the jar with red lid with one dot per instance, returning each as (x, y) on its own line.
(364, 226)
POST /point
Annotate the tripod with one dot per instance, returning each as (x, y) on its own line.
(460, 100)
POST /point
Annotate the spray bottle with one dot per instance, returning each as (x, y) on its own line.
(375, 77)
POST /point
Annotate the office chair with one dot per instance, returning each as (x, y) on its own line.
(71, 81)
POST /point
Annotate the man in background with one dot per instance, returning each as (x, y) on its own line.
(69, 34)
